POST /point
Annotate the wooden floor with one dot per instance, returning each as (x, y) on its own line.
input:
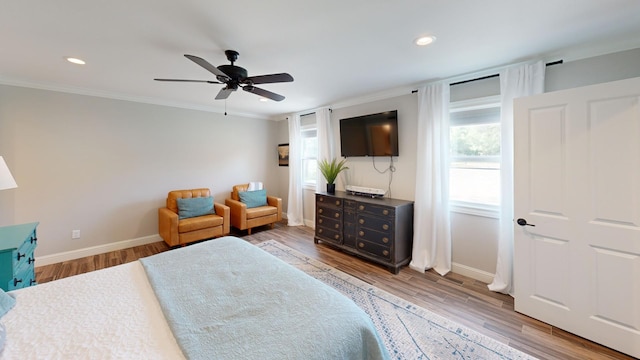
(456, 297)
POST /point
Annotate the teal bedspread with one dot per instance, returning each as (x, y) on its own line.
(228, 299)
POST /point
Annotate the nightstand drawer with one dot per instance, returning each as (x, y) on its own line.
(330, 212)
(24, 277)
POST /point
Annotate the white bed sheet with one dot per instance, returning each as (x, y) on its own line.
(107, 314)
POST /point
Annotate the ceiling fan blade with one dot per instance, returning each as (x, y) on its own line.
(224, 93)
(267, 79)
(184, 80)
(263, 93)
(205, 64)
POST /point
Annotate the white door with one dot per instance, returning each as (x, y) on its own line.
(577, 189)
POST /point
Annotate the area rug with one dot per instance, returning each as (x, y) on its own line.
(409, 331)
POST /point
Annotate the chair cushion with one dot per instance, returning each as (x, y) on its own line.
(199, 223)
(253, 198)
(193, 207)
(261, 211)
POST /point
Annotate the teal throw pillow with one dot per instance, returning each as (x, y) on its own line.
(188, 208)
(254, 198)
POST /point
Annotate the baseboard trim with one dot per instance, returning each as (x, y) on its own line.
(95, 250)
(473, 273)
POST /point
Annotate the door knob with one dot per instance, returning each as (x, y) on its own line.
(523, 222)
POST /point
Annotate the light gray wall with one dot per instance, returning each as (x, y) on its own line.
(474, 237)
(104, 166)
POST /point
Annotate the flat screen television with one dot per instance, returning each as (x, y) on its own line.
(370, 135)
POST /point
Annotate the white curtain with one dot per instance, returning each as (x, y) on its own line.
(432, 224)
(295, 215)
(517, 81)
(325, 143)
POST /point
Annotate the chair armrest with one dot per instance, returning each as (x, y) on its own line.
(238, 212)
(277, 202)
(168, 226)
(225, 212)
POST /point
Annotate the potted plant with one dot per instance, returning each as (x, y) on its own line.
(330, 171)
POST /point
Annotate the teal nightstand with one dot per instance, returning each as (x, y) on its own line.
(17, 261)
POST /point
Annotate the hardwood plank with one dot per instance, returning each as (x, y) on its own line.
(453, 296)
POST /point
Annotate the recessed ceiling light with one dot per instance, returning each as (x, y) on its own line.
(425, 40)
(75, 60)
(264, 99)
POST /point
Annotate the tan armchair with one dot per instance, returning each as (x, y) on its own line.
(247, 218)
(176, 231)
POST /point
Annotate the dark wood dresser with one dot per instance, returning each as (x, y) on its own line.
(376, 229)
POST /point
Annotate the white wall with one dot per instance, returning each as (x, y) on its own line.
(474, 237)
(104, 166)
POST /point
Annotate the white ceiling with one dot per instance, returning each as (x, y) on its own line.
(335, 49)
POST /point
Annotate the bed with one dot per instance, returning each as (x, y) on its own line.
(220, 299)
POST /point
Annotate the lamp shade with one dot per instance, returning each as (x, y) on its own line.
(6, 179)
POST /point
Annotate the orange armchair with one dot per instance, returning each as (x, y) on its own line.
(246, 218)
(175, 230)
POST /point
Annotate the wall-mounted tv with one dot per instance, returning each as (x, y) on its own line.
(370, 135)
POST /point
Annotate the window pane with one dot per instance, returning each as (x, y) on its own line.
(309, 170)
(474, 175)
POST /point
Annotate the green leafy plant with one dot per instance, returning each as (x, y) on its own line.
(330, 170)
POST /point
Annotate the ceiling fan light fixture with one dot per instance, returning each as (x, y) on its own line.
(75, 60)
(425, 40)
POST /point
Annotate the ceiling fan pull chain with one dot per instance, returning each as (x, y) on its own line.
(225, 107)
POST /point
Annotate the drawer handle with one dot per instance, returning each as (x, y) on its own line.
(385, 227)
(385, 239)
(16, 281)
(21, 256)
(385, 252)
(385, 212)
(319, 231)
(321, 199)
(361, 207)
(336, 236)
(34, 239)
(320, 221)
(337, 215)
(361, 233)
(337, 226)
(361, 221)
(361, 245)
(31, 260)
(32, 282)
(337, 202)
(320, 211)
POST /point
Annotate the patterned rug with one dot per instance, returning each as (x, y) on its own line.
(409, 331)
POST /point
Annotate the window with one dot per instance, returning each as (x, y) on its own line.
(309, 136)
(474, 177)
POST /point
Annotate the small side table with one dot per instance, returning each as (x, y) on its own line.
(17, 260)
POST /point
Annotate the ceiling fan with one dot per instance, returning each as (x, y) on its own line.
(235, 76)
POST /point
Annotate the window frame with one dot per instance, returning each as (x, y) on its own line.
(467, 207)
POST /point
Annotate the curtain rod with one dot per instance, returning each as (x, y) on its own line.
(313, 112)
(489, 76)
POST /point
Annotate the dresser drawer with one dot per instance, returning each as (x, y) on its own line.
(377, 237)
(376, 210)
(330, 223)
(374, 249)
(374, 223)
(329, 235)
(329, 212)
(328, 201)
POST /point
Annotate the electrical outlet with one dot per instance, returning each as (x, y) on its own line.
(75, 234)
